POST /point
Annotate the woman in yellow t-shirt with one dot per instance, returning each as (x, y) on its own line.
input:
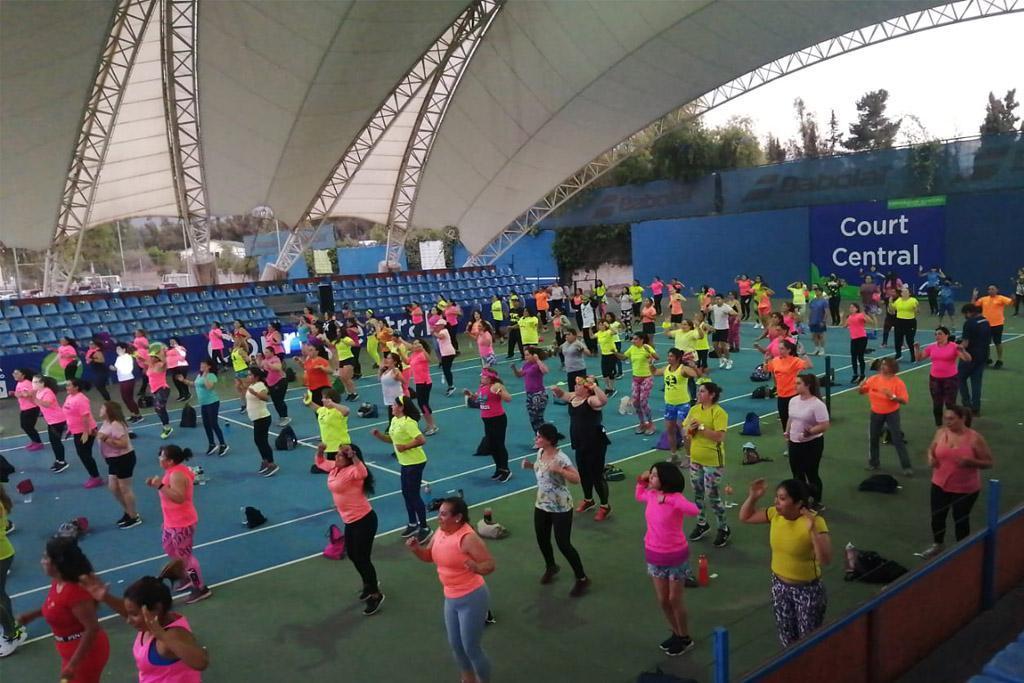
(800, 545)
(905, 308)
(705, 426)
(641, 356)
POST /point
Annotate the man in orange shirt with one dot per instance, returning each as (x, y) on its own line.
(886, 393)
(992, 308)
(541, 299)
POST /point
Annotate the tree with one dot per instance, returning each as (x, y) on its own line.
(774, 150)
(810, 145)
(999, 116)
(834, 140)
(873, 129)
(590, 246)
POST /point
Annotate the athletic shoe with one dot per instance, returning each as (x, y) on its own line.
(284, 422)
(908, 472)
(579, 588)
(373, 604)
(264, 467)
(584, 505)
(504, 476)
(690, 582)
(129, 522)
(931, 551)
(998, 364)
(366, 592)
(549, 574)
(489, 619)
(272, 470)
(242, 409)
(650, 429)
(123, 518)
(728, 364)
(721, 363)
(11, 527)
(135, 418)
(166, 432)
(722, 537)
(92, 482)
(351, 397)
(59, 466)
(681, 645)
(667, 643)
(609, 393)
(639, 429)
(198, 596)
(449, 391)
(223, 450)
(182, 399)
(423, 535)
(9, 645)
(602, 513)
(212, 449)
(871, 468)
(700, 531)
(33, 446)
(497, 473)
(409, 530)
(431, 431)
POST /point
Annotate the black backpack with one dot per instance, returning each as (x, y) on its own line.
(880, 483)
(286, 440)
(659, 676)
(870, 567)
(289, 374)
(188, 417)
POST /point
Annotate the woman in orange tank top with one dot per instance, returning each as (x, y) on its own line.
(462, 562)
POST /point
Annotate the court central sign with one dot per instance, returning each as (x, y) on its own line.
(849, 239)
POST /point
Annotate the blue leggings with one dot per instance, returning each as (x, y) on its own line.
(412, 480)
(464, 618)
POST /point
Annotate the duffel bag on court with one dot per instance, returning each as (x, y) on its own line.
(286, 440)
(188, 417)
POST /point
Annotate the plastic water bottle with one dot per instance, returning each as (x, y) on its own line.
(426, 488)
(703, 575)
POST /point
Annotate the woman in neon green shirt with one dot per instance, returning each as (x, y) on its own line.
(528, 324)
(641, 356)
(677, 398)
(905, 307)
(405, 435)
(11, 634)
(332, 419)
(705, 426)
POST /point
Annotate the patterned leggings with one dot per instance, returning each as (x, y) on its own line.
(798, 609)
(177, 542)
(705, 482)
(536, 402)
(641, 398)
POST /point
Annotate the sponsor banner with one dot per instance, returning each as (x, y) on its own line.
(852, 239)
(636, 203)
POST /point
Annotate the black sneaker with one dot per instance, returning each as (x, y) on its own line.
(11, 527)
(690, 582)
(504, 476)
(129, 522)
(212, 449)
(667, 643)
(223, 450)
(366, 592)
(489, 619)
(549, 574)
(681, 645)
(497, 473)
(135, 418)
(699, 532)
(373, 604)
(423, 535)
(609, 393)
(263, 468)
(409, 530)
(123, 519)
(722, 537)
(998, 364)
(59, 466)
(579, 588)
(272, 470)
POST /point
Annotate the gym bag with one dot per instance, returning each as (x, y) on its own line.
(880, 483)
(286, 440)
(867, 566)
(751, 425)
(335, 548)
(75, 528)
(760, 374)
(253, 517)
(188, 417)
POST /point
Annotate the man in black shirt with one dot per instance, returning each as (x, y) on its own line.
(975, 340)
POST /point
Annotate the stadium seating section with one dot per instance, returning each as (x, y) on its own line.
(32, 326)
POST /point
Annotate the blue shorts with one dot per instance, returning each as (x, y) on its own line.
(946, 308)
(676, 413)
(818, 328)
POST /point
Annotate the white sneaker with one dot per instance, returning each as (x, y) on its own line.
(721, 363)
(931, 551)
(9, 645)
(728, 364)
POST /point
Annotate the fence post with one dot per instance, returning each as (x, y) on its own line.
(720, 650)
(988, 570)
(828, 384)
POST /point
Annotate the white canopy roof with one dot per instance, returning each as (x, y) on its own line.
(286, 86)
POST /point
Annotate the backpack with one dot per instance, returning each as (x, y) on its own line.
(880, 483)
(868, 566)
(659, 676)
(188, 417)
(751, 425)
(367, 410)
(760, 392)
(286, 440)
(751, 456)
(253, 517)
(760, 374)
(335, 548)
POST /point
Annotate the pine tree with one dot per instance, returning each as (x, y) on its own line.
(809, 145)
(873, 129)
(774, 150)
(999, 116)
(835, 136)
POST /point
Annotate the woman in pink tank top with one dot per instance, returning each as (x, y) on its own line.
(957, 455)
(155, 368)
(462, 562)
(175, 490)
(165, 650)
(489, 397)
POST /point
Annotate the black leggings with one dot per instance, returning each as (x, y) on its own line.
(84, 451)
(56, 434)
(590, 463)
(178, 376)
(446, 369)
(515, 340)
(210, 423)
(28, 424)
(905, 329)
(933, 300)
(277, 393)
(71, 370)
(261, 435)
(857, 348)
(423, 398)
(783, 407)
(804, 460)
(359, 545)
(494, 431)
(887, 324)
(453, 333)
(961, 504)
(561, 522)
(100, 376)
(833, 309)
(745, 307)
(217, 356)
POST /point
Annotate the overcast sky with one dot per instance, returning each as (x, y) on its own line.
(943, 76)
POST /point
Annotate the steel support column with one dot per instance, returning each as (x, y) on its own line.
(98, 118)
(945, 15)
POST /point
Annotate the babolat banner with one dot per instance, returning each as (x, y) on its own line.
(901, 235)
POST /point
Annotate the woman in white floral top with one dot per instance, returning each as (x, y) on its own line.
(553, 509)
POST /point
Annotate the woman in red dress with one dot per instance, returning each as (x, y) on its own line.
(71, 613)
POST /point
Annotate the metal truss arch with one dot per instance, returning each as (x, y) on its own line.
(127, 27)
(305, 231)
(428, 121)
(936, 17)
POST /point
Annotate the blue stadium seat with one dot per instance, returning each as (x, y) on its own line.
(29, 310)
(177, 297)
(9, 342)
(288, 288)
(38, 322)
(19, 324)
(74, 319)
(162, 298)
(83, 306)
(192, 297)
(90, 318)
(186, 309)
(116, 303)
(65, 306)
(220, 294)
(5, 327)
(48, 309)
(98, 305)
(27, 338)
(202, 307)
(12, 312)
(82, 332)
(118, 329)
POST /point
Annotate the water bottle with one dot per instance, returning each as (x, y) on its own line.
(488, 516)
(426, 488)
(703, 575)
